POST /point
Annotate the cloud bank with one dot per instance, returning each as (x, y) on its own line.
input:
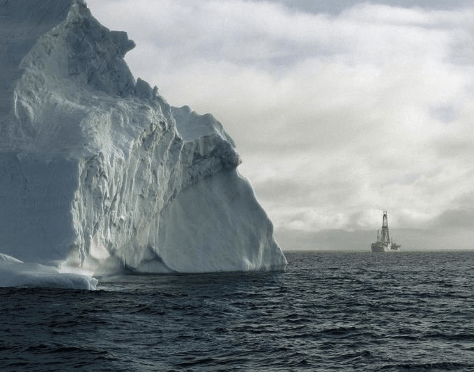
(336, 115)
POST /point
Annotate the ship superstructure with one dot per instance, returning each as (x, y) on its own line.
(384, 243)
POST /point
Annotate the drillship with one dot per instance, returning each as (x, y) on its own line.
(384, 243)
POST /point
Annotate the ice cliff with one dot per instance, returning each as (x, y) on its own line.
(98, 171)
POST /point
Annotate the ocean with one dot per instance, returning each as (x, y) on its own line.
(328, 312)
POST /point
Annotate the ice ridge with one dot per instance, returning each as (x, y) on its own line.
(98, 171)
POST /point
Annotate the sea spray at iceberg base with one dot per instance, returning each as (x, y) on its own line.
(99, 173)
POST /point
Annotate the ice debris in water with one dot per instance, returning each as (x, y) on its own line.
(15, 273)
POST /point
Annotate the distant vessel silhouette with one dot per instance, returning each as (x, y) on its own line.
(384, 243)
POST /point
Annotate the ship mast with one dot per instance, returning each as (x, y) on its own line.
(385, 232)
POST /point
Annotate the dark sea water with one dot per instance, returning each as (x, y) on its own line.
(327, 312)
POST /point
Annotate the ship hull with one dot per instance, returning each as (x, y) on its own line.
(384, 247)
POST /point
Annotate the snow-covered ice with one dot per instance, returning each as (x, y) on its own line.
(15, 273)
(99, 172)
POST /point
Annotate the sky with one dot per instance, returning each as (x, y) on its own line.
(340, 109)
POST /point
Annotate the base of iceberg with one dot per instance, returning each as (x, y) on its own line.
(15, 273)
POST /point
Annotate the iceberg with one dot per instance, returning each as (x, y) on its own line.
(99, 173)
(15, 273)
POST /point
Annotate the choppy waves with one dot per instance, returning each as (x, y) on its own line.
(328, 312)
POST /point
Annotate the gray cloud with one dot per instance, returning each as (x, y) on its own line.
(337, 115)
(337, 6)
